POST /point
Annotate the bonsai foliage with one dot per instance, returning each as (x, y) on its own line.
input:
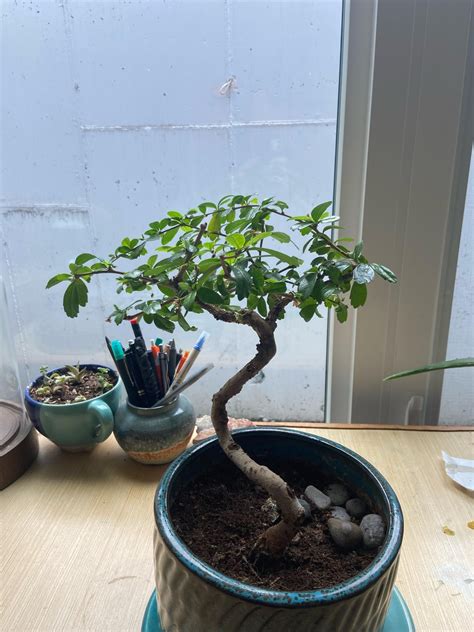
(229, 260)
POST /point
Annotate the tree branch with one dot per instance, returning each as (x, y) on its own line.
(188, 257)
(274, 540)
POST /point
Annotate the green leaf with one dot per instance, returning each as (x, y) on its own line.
(174, 214)
(74, 297)
(307, 284)
(243, 281)
(258, 278)
(206, 264)
(169, 236)
(59, 278)
(288, 259)
(341, 313)
(167, 290)
(214, 226)
(384, 272)
(281, 237)
(458, 363)
(238, 224)
(236, 240)
(308, 309)
(358, 294)
(358, 250)
(252, 301)
(183, 323)
(319, 210)
(164, 323)
(208, 295)
(273, 286)
(189, 300)
(262, 307)
(81, 259)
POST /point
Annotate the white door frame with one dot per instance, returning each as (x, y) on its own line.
(405, 133)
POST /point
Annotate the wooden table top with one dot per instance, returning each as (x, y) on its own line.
(76, 534)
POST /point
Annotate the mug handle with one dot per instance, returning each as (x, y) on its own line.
(104, 419)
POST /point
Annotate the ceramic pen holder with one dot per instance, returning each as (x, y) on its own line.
(155, 436)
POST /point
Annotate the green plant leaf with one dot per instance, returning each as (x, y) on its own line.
(208, 295)
(341, 313)
(243, 281)
(205, 264)
(288, 259)
(458, 363)
(81, 259)
(183, 323)
(358, 250)
(308, 309)
(384, 272)
(214, 226)
(75, 296)
(358, 294)
(189, 300)
(169, 236)
(281, 237)
(319, 210)
(236, 225)
(164, 323)
(59, 278)
(307, 284)
(236, 240)
(262, 307)
(258, 278)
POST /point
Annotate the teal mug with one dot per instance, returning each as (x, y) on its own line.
(80, 426)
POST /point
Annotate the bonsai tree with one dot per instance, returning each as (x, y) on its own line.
(229, 260)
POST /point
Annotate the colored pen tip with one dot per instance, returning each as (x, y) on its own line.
(133, 321)
(201, 340)
(117, 349)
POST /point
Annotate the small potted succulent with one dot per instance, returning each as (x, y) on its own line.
(74, 406)
(260, 529)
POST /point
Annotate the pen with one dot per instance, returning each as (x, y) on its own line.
(193, 354)
(189, 382)
(172, 361)
(149, 382)
(109, 346)
(163, 359)
(118, 356)
(182, 360)
(135, 377)
(136, 328)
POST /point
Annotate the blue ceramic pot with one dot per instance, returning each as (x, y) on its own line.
(194, 597)
(75, 427)
(155, 435)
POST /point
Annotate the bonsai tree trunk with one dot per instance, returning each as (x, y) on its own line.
(276, 538)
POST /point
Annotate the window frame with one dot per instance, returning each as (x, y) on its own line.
(405, 68)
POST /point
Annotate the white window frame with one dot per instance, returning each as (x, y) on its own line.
(404, 142)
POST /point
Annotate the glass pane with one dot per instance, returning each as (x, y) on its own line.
(457, 400)
(118, 111)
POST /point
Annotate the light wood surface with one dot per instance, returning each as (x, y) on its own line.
(76, 534)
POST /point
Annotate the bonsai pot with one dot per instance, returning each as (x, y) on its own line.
(75, 427)
(194, 597)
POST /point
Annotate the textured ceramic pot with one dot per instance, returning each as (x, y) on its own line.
(155, 435)
(75, 427)
(194, 597)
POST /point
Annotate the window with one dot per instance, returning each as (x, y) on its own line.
(118, 111)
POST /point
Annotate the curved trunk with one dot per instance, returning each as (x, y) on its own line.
(274, 540)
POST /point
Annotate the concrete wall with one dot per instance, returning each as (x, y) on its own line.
(113, 112)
